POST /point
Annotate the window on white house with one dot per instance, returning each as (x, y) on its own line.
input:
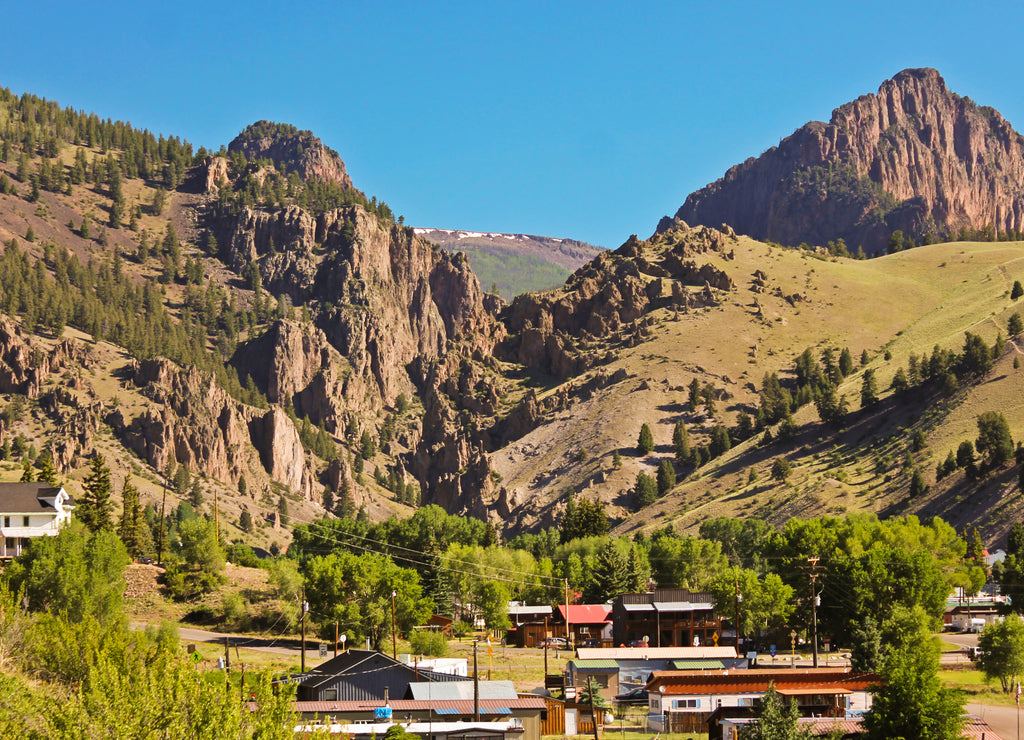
(686, 703)
(7, 521)
(24, 521)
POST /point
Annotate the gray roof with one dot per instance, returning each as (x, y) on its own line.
(363, 675)
(681, 606)
(26, 498)
(463, 690)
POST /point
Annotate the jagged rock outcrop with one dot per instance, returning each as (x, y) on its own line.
(25, 365)
(195, 423)
(277, 441)
(609, 297)
(450, 461)
(291, 150)
(914, 157)
(382, 296)
(295, 364)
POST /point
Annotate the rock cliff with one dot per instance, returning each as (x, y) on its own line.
(914, 157)
(193, 422)
(380, 297)
(291, 150)
(566, 331)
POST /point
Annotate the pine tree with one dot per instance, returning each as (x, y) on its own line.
(95, 508)
(245, 521)
(130, 530)
(777, 719)
(27, 474)
(681, 441)
(610, 574)
(645, 442)
(47, 473)
(845, 362)
(645, 491)
(917, 485)
(346, 506)
(666, 477)
(694, 394)
(367, 449)
(868, 389)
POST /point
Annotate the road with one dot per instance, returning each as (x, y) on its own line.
(1002, 720)
(278, 646)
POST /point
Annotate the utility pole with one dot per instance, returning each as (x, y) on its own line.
(476, 686)
(814, 608)
(163, 514)
(547, 634)
(568, 632)
(216, 514)
(394, 638)
(739, 598)
(305, 608)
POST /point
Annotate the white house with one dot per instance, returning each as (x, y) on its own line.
(684, 701)
(30, 510)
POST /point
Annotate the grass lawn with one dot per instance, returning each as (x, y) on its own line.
(972, 683)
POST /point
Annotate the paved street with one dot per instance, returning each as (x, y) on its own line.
(280, 646)
(1003, 720)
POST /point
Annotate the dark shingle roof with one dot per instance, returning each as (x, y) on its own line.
(25, 498)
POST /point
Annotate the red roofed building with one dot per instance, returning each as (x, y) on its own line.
(683, 701)
(588, 624)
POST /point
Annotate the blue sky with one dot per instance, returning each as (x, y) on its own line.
(580, 120)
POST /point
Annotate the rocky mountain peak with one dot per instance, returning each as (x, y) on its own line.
(914, 156)
(292, 150)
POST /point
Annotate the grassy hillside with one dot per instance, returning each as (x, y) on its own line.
(890, 308)
(508, 274)
(511, 264)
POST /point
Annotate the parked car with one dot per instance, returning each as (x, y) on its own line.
(554, 642)
(636, 698)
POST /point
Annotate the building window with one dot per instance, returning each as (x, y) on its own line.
(330, 695)
(24, 521)
(686, 703)
(7, 521)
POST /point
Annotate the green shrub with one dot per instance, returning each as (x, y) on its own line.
(426, 642)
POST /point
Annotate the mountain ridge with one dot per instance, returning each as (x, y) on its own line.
(515, 263)
(913, 157)
(330, 358)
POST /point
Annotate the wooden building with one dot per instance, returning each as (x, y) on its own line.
(665, 617)
(685, 701)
